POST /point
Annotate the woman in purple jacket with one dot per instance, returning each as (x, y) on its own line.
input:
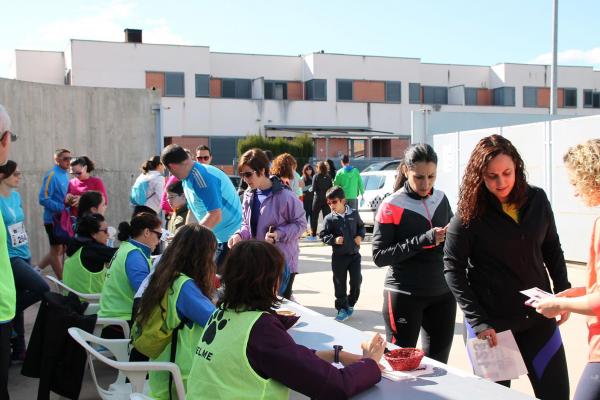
(270, 211)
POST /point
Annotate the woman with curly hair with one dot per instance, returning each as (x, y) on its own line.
(583, 167)
(185, 276)
(502, 240)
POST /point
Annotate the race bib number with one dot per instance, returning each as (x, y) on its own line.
(18, 236)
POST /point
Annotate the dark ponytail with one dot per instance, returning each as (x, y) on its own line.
(151, 164)
(420, 152)
(84, 161)
(137, 225)
(89, 224)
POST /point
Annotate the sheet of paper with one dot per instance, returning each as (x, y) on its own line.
(499, 363)
(396, 376)
(536, 293)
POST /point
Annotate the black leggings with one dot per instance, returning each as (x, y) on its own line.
(314, 218)
(588, 387)
(5, 331)
(433, 316)
(544, 354)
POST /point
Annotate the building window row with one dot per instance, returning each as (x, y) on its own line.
(171, 84)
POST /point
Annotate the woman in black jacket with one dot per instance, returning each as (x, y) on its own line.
(321, 183)
(504, 240)
(410, 227)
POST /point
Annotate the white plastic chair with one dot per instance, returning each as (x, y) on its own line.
(134, 371)
(89, 297)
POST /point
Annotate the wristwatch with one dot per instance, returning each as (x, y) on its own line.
(336, 355)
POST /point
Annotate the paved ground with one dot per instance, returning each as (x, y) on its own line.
(314, 289)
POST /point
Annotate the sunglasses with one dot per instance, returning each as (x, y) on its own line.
(17, 173)
(158, 234)
(203, 158)
(247, 174)
(13, 137)
(77, 173)
(65, 159)
(103, 230)
(332, 202)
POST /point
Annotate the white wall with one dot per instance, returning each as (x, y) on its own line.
(111, 64)
(542, 146)
(40, 66)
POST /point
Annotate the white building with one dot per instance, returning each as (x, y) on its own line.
(362, 105)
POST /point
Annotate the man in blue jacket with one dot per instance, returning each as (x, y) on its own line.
(52, 197)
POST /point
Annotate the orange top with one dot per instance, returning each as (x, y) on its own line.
(593, 268)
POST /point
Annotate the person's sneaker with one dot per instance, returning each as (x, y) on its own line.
(311, 238)
(342, 315)
(350, 311)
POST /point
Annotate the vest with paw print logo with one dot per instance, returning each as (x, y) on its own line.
(221, 369)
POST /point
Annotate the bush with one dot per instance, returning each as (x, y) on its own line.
(301, 147)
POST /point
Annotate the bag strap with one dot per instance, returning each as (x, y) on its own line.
(174, 336)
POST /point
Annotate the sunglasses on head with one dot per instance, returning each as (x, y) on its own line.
(247, 174)
(332, 202)
(203, 158)
(13, 137)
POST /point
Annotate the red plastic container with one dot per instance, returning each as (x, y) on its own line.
(405, 359)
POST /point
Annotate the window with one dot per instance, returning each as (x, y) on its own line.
(435, 95)
(344, 90)
(174, 86)
(591, 98)
(588, 96)
(202, 86)
(470, 96)
(223, 150)
(276, 90)
(570, 97)
(503, 96)
(530, 96)
(358, 148)
(393, 92)
(236, 88)
(374, 182)
(414, 93)
(316, 89)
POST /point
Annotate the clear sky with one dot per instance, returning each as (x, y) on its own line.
(482, 32)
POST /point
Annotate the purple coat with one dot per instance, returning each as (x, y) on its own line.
(285, 212)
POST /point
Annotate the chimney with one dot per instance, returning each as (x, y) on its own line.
(133, 36)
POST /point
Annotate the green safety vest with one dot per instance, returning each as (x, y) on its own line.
(187, 338)
(79, 278)
(8, 296)
(221, 369)
(117, 296)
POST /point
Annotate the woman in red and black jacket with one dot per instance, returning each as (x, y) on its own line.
(504, 240)
(410, 227)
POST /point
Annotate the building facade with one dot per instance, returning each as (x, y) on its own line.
(350, 104)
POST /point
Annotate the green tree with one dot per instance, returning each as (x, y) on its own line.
(301, 147)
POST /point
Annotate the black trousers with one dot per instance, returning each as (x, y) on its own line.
(342, 266)
(407, 315)
(314, 218)
(5, 331)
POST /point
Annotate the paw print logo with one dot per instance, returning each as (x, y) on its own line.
(214, 324)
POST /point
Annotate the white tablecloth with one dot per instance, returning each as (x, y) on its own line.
(318, 332)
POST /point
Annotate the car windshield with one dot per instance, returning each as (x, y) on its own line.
(374, 167)
(391, 166)
(374, 182)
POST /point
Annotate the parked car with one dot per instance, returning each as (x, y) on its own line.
(378, 185)
(235, 180)
(391, 165)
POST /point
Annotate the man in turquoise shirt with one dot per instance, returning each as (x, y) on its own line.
(210, 195)
(7, 283)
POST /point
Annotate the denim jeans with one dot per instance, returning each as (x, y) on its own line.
(30, 287)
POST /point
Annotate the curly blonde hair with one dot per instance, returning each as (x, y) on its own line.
(284, 166)
(583, 163)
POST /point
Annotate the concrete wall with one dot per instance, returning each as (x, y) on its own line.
(542, 146)
(114, 127)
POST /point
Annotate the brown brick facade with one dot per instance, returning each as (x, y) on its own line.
(156, 80)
